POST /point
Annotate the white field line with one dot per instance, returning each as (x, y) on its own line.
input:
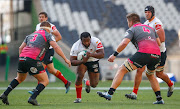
(97, 88)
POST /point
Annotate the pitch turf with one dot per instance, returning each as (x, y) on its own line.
(57, 99)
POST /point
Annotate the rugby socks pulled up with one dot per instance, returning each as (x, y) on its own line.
(78, 90)
(135, 90)
(170, 83)
(111, 91)
(40, 87)
(61, 77)
(11, 86)
(158, 95)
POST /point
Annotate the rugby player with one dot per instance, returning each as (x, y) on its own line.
(31, 53)
(95, 51)
(148, 54)
(157, 25)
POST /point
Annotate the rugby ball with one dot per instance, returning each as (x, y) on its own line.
(80, 54)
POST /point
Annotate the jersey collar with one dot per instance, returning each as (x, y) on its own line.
(151, 19)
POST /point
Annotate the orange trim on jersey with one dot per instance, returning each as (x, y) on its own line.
(152, 19)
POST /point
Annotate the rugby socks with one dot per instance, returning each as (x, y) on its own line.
(158, 96)
(78, 90)
(61, 77)
(11, 86)
(170, 83)
(111, 91)
(135, 90)
(40, 87)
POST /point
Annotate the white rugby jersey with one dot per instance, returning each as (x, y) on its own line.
(156, 24)
(94, 45)
(53, 27)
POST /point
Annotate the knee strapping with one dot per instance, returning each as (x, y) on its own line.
(159, 69)
(149, 72)
(128, 66)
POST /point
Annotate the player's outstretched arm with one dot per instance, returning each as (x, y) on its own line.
(59, 52)
(120, 48)
(57, 35)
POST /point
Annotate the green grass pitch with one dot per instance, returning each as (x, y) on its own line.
(57, 99)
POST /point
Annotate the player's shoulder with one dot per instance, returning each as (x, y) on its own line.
(158, 21)
(77, 43)
(94, 39)
(146, 22)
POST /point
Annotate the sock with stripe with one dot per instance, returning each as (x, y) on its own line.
(78, 90)
(11, 86)
(61, 77)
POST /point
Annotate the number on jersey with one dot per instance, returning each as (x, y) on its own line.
(146, 30)
(34, 38)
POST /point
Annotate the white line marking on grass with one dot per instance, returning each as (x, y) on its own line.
(97, 88)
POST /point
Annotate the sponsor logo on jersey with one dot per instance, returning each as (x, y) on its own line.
(52, 37)
(99, 45)
(53, 28)
(126, 34)
(158, 26)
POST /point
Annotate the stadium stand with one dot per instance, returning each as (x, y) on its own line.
(106, 19)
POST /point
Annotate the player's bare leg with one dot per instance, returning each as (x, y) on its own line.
(156, 88)
(164, 77)
(137, 82)
(116, 81)
(81, 69)
(93, 81)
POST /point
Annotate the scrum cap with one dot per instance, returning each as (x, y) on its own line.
(150, 8)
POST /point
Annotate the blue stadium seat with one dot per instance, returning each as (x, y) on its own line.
(106, 20)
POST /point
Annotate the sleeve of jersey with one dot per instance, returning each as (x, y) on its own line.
(158, 26)
(25, 40)
(156, 35)
(53, 27)
(50, 38)
(128, 34)
(99, 45)
(74, 50)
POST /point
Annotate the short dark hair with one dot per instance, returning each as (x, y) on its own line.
(46, 24)
(133, 17)
(45, 14)
(85, 35)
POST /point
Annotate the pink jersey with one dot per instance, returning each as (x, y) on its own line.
(37, 44)
(144, 38)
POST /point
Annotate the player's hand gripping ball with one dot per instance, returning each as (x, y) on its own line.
(80, 54)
